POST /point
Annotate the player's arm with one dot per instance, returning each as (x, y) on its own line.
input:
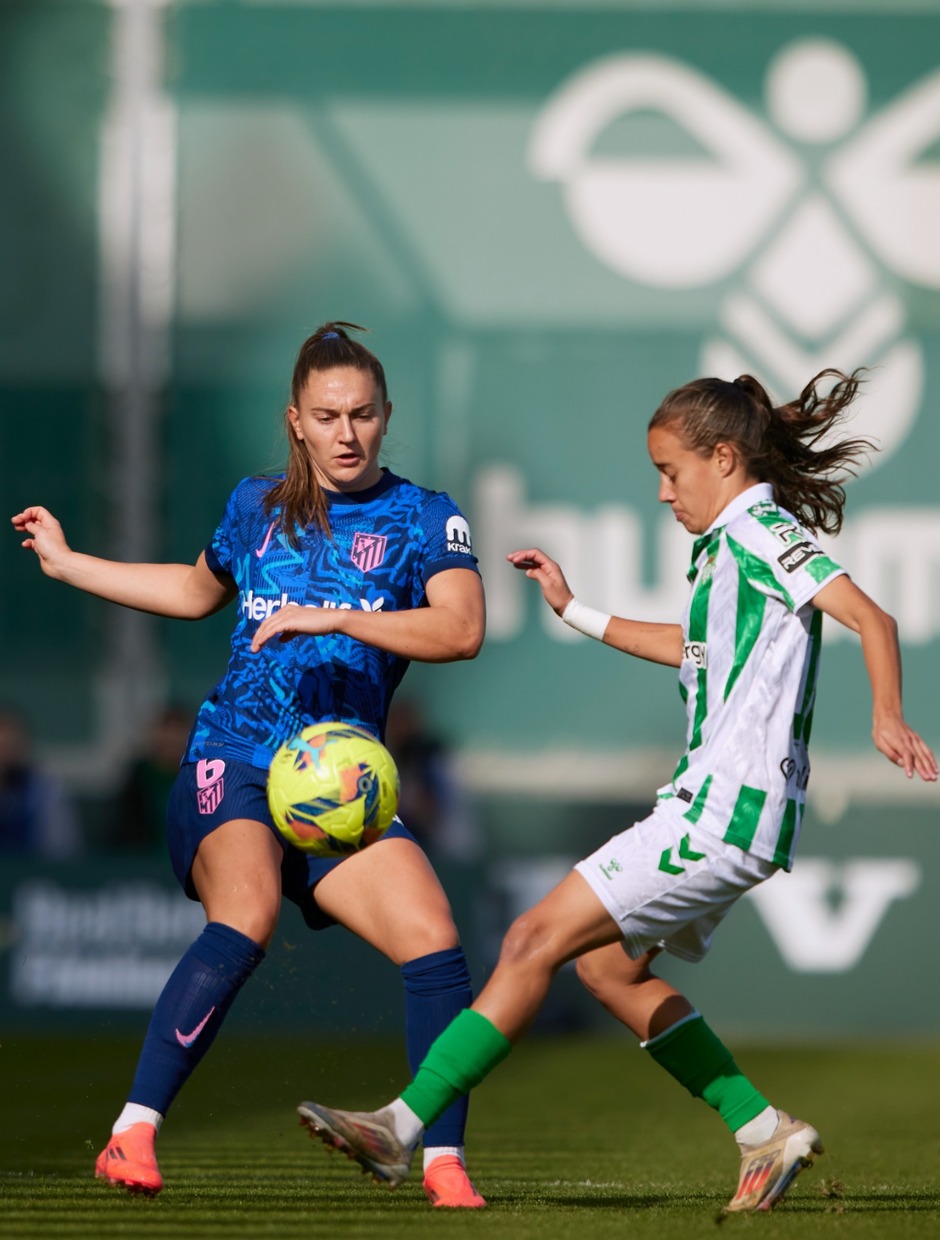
(449, 628)
(845, 602)
(658, 643)
(183, 591)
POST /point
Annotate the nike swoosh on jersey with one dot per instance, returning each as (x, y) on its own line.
(259, 551)
(187, 1039)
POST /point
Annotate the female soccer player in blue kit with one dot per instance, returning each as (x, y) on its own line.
(752, 482)
(357, 571)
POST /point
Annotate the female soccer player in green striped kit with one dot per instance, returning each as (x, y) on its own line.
(753, 484)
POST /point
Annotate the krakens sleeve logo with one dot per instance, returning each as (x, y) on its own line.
(458, 535)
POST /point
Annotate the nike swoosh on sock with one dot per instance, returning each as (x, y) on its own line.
(187, 1039)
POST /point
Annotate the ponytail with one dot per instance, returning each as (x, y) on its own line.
(790, 446)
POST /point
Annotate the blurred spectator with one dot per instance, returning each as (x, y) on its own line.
(139, 821)
(433, 806)
(37, 816)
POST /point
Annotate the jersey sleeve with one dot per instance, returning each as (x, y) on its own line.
(220, 550)
(447, 539)
(787, 561)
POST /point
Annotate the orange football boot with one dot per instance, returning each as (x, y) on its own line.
(447, 1184)
(129, 1160)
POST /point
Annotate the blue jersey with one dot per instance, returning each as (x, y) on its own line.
(388, 541)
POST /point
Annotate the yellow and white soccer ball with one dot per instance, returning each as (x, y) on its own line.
(333, 789)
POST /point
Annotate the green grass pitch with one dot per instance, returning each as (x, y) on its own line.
(576, 1138)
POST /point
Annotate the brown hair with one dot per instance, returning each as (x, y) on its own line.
(776, 444)
(299, 494)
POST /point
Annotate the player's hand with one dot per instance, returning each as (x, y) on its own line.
(291, 621)
(537, 566)
(45, 537)
(904, 747)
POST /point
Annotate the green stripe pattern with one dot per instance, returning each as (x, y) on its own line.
(756, 584)
(803, 720)
(745, 816)
(749, 617)
(698, 632)
(759, 573)
(791, 820)
(694, 812)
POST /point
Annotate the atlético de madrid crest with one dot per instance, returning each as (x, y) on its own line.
(368, 550)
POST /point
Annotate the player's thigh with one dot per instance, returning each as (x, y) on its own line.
(389, 895)
(237, 875)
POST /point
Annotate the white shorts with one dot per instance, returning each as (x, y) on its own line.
(668, 884)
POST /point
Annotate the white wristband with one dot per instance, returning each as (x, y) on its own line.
(586, 620)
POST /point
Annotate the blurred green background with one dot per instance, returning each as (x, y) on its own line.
(548, 214)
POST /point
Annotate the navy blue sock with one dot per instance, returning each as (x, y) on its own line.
(437, 987)
(190, 1011)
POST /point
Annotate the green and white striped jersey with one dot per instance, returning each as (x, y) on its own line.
(751, 640)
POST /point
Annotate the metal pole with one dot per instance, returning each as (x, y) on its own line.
(136, 212)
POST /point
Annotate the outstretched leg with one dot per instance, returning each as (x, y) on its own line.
(570, 920)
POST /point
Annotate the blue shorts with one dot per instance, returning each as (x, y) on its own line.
(208, 793)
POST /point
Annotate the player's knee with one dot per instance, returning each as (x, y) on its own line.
(527, 942)
(261, 930)
(414, 940)
(257, 920)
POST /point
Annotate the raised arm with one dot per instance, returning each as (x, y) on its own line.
(183, 591)
(450, 628)
(658, 643)
(845, 602)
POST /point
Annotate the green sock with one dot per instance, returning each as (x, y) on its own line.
(702, 1063)
(459, 1058)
